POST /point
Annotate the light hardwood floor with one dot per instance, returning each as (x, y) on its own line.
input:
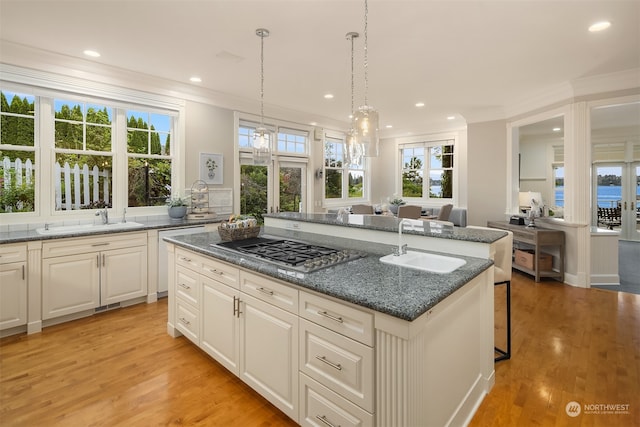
(120, 368)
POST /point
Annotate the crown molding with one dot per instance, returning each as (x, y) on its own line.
(602, 83)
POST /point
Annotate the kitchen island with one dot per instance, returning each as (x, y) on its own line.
(358, 343)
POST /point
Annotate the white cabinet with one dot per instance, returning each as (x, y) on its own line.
(85, 273)
(337, 363)
(269, 353)
(13, 286)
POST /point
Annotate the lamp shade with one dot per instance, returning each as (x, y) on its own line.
(261, 147)
(365, 125)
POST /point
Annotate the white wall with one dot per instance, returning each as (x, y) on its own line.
(486, 172)
(209, 129)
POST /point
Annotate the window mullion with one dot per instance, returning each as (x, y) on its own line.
(45, 143)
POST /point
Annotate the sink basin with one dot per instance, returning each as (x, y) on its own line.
(425, 262)
(88, 228)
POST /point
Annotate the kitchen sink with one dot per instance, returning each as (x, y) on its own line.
(88, 228)
(425, 261)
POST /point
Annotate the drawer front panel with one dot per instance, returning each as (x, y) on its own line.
(338, 317)
(188, 259)
(12, 253)
(83, 245)
(341, 364)
(320, 407)
(222, 272)
(280, 295)
(187, 322)
(187, 286)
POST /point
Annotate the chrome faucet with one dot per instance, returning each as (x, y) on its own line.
(401, 249)
(104, 214)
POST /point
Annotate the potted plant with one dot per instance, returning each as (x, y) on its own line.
(177, 207)
(394, 203)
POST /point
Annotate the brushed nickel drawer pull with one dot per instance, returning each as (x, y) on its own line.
(185, 259)
(185, 321)
(182, 285)
(265, 291)
(325, 421)
(214, 271)
(330, 316)
(330, 363)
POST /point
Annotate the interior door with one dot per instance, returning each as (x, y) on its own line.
(631, 210)
(618, 188)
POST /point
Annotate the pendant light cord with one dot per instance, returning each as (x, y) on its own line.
(366, 59)
(262, 79)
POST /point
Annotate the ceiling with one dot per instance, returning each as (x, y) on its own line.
(473, 60)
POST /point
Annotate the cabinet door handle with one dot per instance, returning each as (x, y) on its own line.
(98, 261)
(101, 244)
(182, 285)
(103, 259)
(185, 321)
(330, 363)
(236, 306)
(265, 291)
(330, 316)
(23, 277)
(323, 419)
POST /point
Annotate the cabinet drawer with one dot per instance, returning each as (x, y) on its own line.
(339, 363)
(320, 407)
(188, 286)
(187, 321)
(83, 245)
(278, 294)
(338, 317)
(13, 253)
(222, 272)
(189, 259)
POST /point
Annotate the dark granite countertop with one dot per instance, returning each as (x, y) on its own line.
(400, 292)
(389, 223)
(161, 223)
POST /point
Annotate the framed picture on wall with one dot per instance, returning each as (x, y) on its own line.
(211, 168)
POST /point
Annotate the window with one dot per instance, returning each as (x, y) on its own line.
(281, 185)
(85, 152)
(434, 160)
(342, 182)
(83, 165)
(17, 152)
(148, 158)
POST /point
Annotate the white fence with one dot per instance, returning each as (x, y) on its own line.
(74, 186)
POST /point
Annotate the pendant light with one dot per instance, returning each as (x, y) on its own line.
(261, 138)
(365, 120)
(352, 148)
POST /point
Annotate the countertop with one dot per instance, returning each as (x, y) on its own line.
(160, 223)
(389, 223)
(400, 292)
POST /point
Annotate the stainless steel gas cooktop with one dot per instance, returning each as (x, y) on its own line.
(295, 255)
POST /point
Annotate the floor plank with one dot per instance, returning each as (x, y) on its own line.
(120, 368)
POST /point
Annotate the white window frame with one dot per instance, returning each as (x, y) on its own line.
(46, 87)
(366, 178)
(427, 141)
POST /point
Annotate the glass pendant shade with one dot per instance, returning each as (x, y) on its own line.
(365, 124)
(261, 149)
(353, 151)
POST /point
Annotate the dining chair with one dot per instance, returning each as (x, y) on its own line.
(362, 209)
(409, 211)
(502, 260)
(445, 213)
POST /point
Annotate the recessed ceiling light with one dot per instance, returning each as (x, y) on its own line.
(195, 79)
(599, 26)
(389, 126)
(91, 53)
(557, 129)
(328, 96)
(419, 104)
(314, 123)
(451, 117)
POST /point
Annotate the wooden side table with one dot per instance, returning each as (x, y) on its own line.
(538, 238)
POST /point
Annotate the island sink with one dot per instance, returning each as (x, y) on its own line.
(424, 261)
